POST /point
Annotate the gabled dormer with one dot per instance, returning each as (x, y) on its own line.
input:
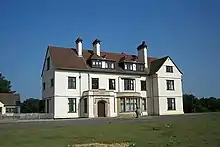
(131, 64)
(101, 62)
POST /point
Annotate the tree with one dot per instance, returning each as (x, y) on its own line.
(193, 104)
(32, 105)
(5, 85)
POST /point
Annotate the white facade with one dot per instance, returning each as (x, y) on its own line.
(83, 101)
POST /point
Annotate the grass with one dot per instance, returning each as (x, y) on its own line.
(202, 131)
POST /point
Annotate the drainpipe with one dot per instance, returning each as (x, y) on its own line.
(88, 81)
(80, 83)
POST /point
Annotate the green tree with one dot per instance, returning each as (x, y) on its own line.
(5, 85)
(32, 105)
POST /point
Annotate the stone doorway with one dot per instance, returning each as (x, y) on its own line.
(101, 108)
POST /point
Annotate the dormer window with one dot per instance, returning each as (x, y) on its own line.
(133, 66)
(103, 64)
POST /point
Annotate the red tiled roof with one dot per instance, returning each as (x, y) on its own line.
(67, 57)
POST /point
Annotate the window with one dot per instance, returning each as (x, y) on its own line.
(44, 86)
(71, 82)
(48, 63)
(103, 64)
(128, 104)
(48, 106)
(11, 110)
(51, 82)
(0, 110)
(72, 105)
(128, 84)
(111, 84)
(169, 68)
(95, 83)
(144, 104)
(143, 85)
(170, 84)
(140, 67)
(85, 105)
(171, 104)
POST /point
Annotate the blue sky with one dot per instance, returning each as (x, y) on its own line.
(186, 30)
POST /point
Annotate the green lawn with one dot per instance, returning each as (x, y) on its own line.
(202, 131)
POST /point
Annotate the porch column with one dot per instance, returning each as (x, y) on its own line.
(91, 106)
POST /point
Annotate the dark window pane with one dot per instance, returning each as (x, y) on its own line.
(143, 85)
(95, 83)
(71, 82)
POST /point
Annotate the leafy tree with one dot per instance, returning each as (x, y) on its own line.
(5, 85)
(193, 104)
(32, 105)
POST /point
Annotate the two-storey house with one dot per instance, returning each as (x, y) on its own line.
(90, 83)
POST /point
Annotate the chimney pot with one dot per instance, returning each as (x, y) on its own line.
(79, 46)
(96, 46)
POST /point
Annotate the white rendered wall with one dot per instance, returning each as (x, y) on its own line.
(163, 93)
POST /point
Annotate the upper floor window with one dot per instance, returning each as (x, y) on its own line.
(169, 68)
(171, 104)
(95, 83)
(170, 84)
(48, 63)
(111, 84)
(51, 82)
(71, 82)
(44, 85)
(143, 85)
(128, 84)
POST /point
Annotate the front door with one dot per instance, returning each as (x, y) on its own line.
(101, 109)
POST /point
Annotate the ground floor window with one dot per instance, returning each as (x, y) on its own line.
(128, 104)
(144, 104)
(48, 105)
(85, 105)
(72, 105)
(171, 104)
(0, 110)
(11, 110)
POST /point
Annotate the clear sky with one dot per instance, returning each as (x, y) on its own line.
(186, 30)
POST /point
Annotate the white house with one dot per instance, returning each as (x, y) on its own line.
(91, 83)
(9, 103)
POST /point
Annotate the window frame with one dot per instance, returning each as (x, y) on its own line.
(48, 63)
(43, 85)
(52, 82)
(144, 104)
(128, 104)
(170, 85)
(71, 83)
(72, 103)
(111, 85)
(129, 84)
(172, 102)
(85, 105)
(145, 85)
(95, 85)
(169, 69)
